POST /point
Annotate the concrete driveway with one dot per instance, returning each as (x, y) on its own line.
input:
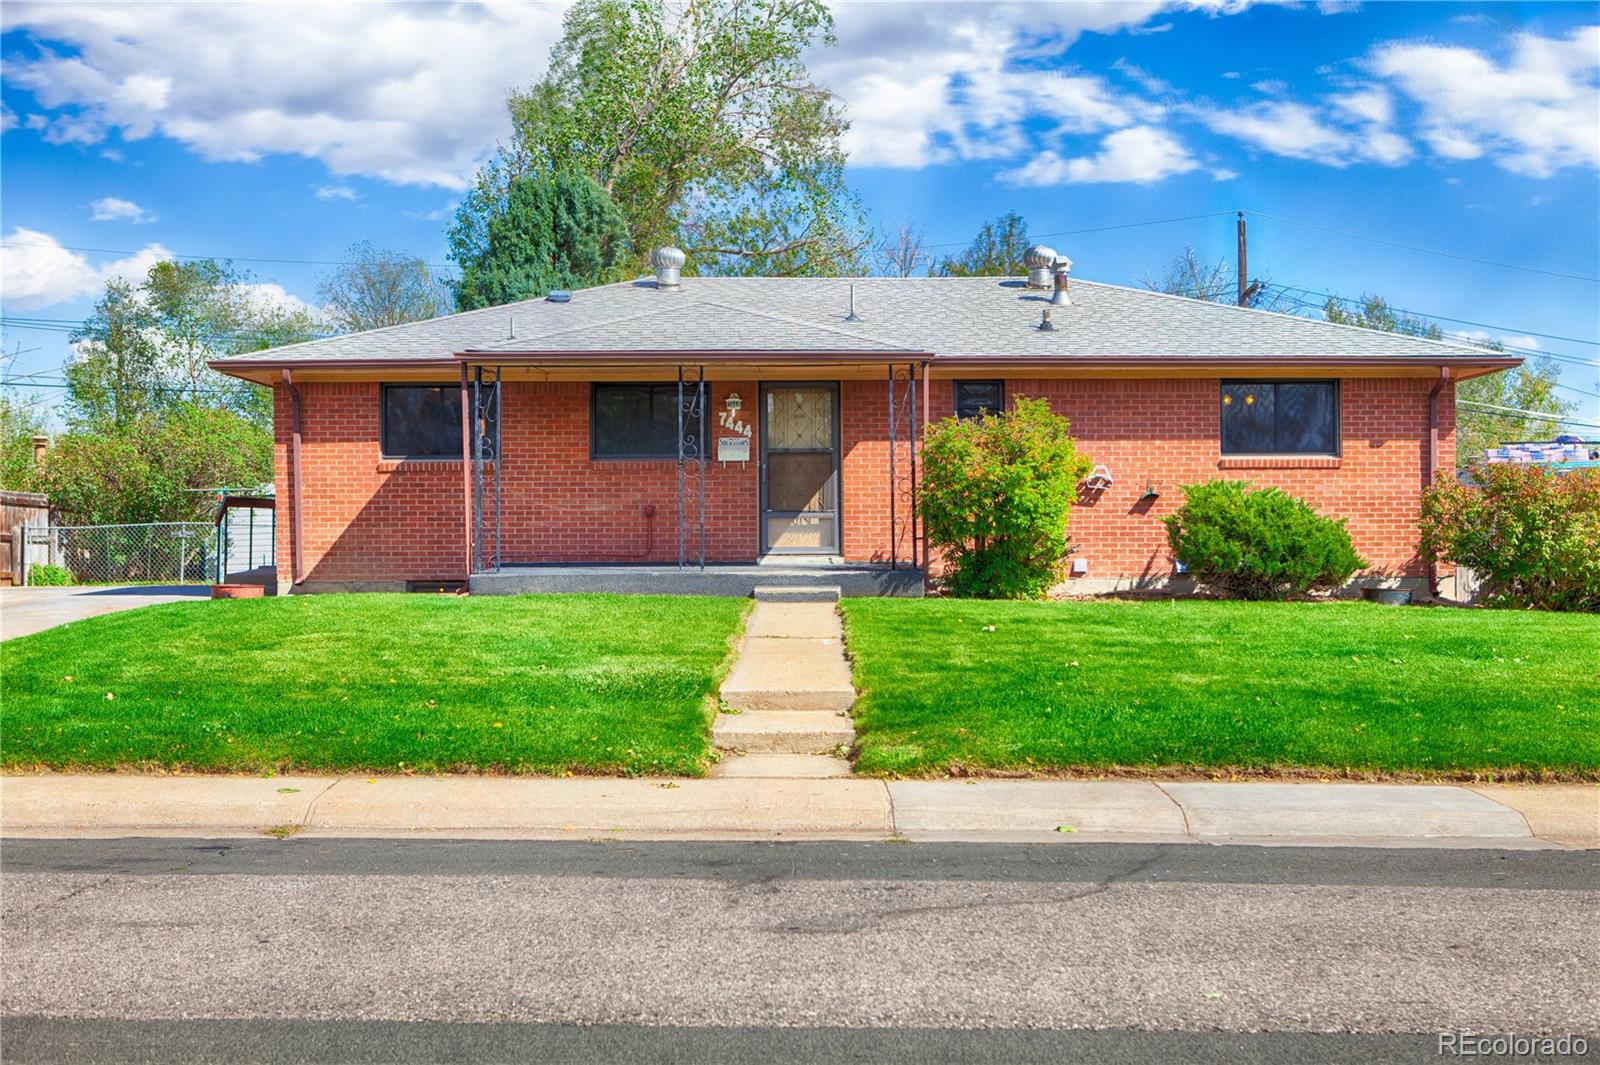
(24, 611)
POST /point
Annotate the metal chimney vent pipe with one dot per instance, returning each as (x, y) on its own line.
(667, 262)
(1039, 260)
(1059, 297)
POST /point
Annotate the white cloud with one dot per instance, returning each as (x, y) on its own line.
(1483, 338)
(1283, 128)
(265, 295)
(411, 93)
(1537, 114)
(116, 209)
(1140, 154)
(1348, 128)
(36, 271)
(962, 80)
(337, 192)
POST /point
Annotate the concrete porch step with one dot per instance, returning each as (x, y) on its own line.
(797, 593)
(781, 766)
(782, 732)
(791, 674)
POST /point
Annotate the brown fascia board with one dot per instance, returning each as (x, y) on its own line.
(580, 358)
(225, 365)
(574, 359)
(1498, 362)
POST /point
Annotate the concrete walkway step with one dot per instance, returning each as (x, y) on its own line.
(795, 621)
(784, 766)
(782, 731)
(787, 673)
(797, 593)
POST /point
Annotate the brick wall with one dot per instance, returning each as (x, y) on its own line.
(1166, 433)
(371, 520)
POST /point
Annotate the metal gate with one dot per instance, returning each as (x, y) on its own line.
(172, 552)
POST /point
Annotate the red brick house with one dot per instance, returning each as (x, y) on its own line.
(714, 425)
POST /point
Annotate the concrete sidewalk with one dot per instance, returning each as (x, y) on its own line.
(795, 809)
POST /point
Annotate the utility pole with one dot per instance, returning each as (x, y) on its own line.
(1244, 276)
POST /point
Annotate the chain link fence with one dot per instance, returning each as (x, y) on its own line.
(154, 553)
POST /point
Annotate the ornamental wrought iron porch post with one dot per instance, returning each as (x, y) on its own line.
(691, 448)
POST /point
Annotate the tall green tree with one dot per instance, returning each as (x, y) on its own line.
(145, 347)
(702, 124)
(1186, 275)
(150, 425)
(158, 470)
(20, 422)
(1530, 387)
(555, 231)
(995, 252)
(378, 287)
(117, 377)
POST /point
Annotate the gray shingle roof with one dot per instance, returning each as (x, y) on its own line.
(957, 317)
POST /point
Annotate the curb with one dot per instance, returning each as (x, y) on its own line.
(814, 809)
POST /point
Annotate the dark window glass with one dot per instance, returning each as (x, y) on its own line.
(974, 398)
(1280, 417)
(422, 421)
(637, 421)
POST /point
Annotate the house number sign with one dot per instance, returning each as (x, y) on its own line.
(733, 444)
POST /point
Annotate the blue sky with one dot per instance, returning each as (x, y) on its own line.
(287, 132)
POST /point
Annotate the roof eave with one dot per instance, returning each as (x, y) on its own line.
(622, 356)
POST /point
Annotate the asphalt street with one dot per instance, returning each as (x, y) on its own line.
(386, 950)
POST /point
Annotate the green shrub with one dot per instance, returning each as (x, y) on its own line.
(1533, 535)
(995, 498)
(1262, 544)
(48, 576)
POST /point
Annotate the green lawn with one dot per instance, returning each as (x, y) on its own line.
(1341, 688)
(377, 683)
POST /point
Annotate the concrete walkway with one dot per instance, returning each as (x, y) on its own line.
(1565, 815)
(24, 611)
(786, 701)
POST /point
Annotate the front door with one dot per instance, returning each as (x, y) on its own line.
(800, 469)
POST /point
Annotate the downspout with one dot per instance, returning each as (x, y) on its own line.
(297, 550)
(466, 475)
(1433, 460)
(916, 443)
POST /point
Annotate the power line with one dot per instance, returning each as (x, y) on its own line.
(1424, 251)
(1099, 229)
(1299, 304)
(1441, 317)
(158, 389)
(229, 258)
(1541, 415)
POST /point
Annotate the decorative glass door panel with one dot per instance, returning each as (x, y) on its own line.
(800, 469)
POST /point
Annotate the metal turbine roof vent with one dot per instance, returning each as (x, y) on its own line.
(1039, 260)
(667, 262)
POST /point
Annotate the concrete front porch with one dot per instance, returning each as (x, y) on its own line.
(852, 579)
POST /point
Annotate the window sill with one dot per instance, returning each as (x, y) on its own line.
(1280, 462)
(396, 465)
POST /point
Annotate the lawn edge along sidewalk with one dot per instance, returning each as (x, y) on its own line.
(1562, 815)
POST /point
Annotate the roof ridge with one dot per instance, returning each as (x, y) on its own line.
(1313, 322)
(809, 325)
(452, 316)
